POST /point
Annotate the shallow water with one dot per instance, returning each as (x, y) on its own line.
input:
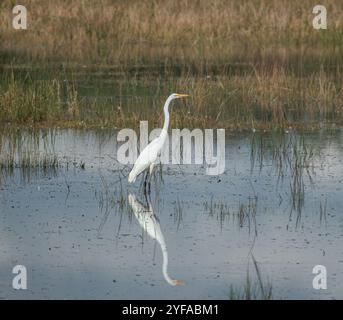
(82, 232)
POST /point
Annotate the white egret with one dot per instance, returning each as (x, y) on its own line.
(149, 222)
(148, 157)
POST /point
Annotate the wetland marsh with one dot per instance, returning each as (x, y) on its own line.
(81, 72)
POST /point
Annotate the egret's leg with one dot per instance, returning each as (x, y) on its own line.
(160, 169)
(147, 196)
(145, 181)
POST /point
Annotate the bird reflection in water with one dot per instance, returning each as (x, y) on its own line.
(150, 223)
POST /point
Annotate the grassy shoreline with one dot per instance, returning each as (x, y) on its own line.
(255, 100)
(247, 65)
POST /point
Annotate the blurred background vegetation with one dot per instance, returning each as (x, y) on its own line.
(247, 64)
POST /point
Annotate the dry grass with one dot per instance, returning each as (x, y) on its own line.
(196, 35)
(258, 99)
(246, 64)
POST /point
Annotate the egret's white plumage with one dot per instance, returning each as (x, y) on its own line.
(150, 154)
(149, 222)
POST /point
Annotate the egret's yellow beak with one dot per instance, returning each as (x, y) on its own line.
(182, 95)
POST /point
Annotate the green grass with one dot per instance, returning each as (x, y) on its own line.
(255, 99)
(30, 151)
(253, 289)
(244, 215)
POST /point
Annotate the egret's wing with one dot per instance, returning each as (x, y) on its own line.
(146, 157)
(146, 218)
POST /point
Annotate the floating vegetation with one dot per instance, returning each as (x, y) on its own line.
(178, 213)
(293, 161)
(112, 198)
(323, 212)
(245, 214)
(253, 290)
(31, 152)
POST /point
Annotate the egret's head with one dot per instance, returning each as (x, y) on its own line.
(177, 282)
(179, 95)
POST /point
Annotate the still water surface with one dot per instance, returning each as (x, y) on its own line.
(83, 232)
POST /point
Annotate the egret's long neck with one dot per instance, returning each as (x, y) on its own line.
(160, 239)
(166, 114)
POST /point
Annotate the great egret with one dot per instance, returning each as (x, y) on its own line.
(149, 222)
(148, 157)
